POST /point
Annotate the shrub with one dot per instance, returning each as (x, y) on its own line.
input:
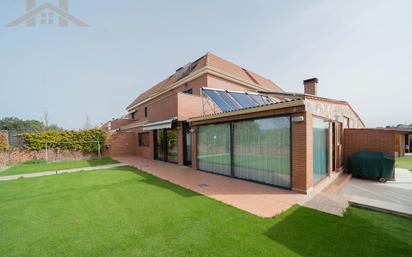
(3, 142)
(84, 140)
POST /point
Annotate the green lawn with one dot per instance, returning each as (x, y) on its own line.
(40, 165)
(404, 162)
(124, 212)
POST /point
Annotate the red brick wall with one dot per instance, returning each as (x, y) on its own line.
(302, 154)
(375, 140)
(189, 106)
(121, 143)
(15, 156)
(144, 151)
(120, 122)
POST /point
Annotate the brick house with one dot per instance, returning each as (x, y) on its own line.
(217, 117)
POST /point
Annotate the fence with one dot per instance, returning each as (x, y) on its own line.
(16, 137)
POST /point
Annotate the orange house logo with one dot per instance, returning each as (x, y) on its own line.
(47, 14)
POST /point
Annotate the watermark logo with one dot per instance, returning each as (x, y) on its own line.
(47, 14)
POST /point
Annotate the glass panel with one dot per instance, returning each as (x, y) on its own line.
(171, 137)
(320, 149)
(243, 99)
(233, 104)
(188, 146)
(218, 100)
(262, 150)
(214, 148)
(258, 99)
(160, 145)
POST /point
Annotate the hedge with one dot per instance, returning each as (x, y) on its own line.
(3, 142)
(85, 140)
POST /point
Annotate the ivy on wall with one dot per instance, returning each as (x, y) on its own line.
(85, 140)
(3, 142)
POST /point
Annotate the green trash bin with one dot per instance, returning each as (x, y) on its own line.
(371, 165)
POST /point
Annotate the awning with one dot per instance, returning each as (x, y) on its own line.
(164, 124)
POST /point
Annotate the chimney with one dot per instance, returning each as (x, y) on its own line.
(311, 86)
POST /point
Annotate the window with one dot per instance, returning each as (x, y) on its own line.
(214, 148)
(47, 18)
(133, 115)
(257, 149)
(144, 139)
(261, 150)
(145, 112)
(188, 91)
(320, 149)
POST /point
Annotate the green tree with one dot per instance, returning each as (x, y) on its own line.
(13, 123)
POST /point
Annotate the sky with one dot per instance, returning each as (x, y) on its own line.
(361, 51)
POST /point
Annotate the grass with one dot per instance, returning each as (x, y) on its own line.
(40, 165)
(404, 162)
(124, 212)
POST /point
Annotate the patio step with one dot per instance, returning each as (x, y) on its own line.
(329, 203)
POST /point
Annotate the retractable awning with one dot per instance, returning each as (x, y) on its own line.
(164, 124)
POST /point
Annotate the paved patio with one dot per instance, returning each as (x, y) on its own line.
(392, 196)
(261, 200)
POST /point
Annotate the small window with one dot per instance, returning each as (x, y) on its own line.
(145, 111)
(144, 139)
(188, 91)
(133, 115)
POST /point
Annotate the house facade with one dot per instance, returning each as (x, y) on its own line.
(215, 116)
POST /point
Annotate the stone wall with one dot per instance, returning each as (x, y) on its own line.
(22, 155)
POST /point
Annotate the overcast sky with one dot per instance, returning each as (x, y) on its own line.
(361, 51)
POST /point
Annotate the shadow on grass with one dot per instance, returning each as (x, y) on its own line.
(311, 233)
(103, 161)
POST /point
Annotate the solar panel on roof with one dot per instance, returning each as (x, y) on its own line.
(258, 99)
(218, 100)
(230, 101)
(244, 99)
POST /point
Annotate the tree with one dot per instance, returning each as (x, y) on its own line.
(13, 123)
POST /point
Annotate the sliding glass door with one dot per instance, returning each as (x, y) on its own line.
(320, 149)
(261, 150)
(213, 150)
(258, 150)
(166, 145)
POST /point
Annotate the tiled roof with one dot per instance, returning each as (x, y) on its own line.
(214, 61)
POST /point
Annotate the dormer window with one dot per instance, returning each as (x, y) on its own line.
(133, 115)
(47, 18)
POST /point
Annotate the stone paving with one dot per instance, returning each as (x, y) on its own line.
(258, 199)
(261, 200)
(392, 196)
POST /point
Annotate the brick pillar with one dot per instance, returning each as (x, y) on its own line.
(302, 155)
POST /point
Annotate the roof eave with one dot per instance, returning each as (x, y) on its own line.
(262, 108)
